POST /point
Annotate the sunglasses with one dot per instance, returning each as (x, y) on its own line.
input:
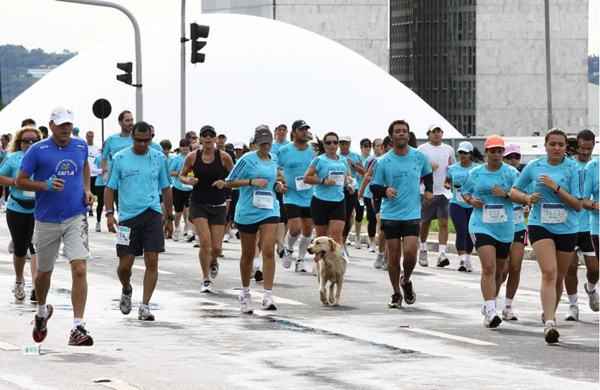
(208, 135)
(462, 152)
(142, 140)
(29, 140)
(331, 142)
(513, 157)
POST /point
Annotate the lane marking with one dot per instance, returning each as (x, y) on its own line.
(8, 347)
(114, 383)
(142, 268)
(449, 336)
(258, 296)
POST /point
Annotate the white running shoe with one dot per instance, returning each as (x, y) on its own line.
(98, 227)
(423, 261)
(468, 266)
(508, 314)
(378, 264)
(245, 303)
(551, 334)
(300, 266)
(19, 291)
(372, 249)
(206, 287)
(573, 314)
(443, 260)
(593, 297)
(177, 235)
(357, 244)
(144, 313)
(490, 319)
(226, 237)
(268, 303)
(287, 259)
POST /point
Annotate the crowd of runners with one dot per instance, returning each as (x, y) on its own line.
(285, 188)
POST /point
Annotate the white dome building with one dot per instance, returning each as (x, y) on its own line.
(256, 71)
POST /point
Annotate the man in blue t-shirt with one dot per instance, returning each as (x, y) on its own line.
(60, 167)
(396, 180)
(140, 174)
(117, 142)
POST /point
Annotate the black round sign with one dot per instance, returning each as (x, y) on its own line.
(101, 108)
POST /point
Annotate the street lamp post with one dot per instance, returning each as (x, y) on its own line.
(182, 76)
(139, 99)
(548, 63)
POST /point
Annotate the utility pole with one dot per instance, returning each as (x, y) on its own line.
(548, 64)
(139, 98)
(183, 76)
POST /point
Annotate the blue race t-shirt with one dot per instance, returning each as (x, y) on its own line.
(369, 164)
(591, 189)
(550, 212)
(294, 163)
(10, 168)
(519, 215)
(139, 180)
(45, 159)
(175, 165)
(403, 173)
(276, 147)
(99, 179)
(327, 168)
(255, 204)
(583, 214)
(496, 218)
(355, 158)
(458, 175)
(114, 144)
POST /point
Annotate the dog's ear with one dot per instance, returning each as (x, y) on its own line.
(332, 245)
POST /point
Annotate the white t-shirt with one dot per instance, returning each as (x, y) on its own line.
(93, 152)
(442, 156)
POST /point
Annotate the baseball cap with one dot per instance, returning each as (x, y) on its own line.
(238, 145)
(512, 149)
(299, 124)
(494, 141)
(262, 135)
(433, 127)
(61, 115)
(346, 139)
(465, 146)
(208, 129)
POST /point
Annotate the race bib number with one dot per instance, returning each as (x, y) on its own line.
(29, 194)
(553, 213)
(262, 199)
(518, 215)
(494, 213)
(301, 185)
(339, 177)
(123, 233)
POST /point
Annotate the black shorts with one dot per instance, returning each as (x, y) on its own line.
(562, 242)
(253, 227)
(181, 199)
(520, 236)
(438, 208)
(397, 229)
(585, 244)
(282, 210)
(293, 211)
(377, 204)
(21, 227)
(146, 234)
(323, 211)
(502, 248)
(215, 215)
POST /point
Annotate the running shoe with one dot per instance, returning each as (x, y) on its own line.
(286, 258)
(573, 314)
(443, 261)
(40, 325)
(468, 266)
(357, 244)
(125, 302)
(461, 267)
(300, 266)
(245, 303)
(206, 287)
(508, 314)
(396, 301)
(378, 264)
(98, 227)
(268, 303)
(258, 275)
(551, 334)
(409, 293)
(593, 297)
(191, 238)
(423, 261)
(214, 269)
(226, 237)
(144, 313)
(80, 337)
(19, 291)
(491, 319)
(371, 249)
(177, 235)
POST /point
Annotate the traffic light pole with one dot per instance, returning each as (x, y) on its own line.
(182, 76)
(139, 98)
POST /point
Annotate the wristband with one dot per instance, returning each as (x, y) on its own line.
(323, 181)
(557, 189)
(109, 212)
(250, 182)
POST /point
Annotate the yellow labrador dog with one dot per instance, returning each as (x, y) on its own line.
(331, 267)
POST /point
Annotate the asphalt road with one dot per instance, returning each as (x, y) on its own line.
(201, 341)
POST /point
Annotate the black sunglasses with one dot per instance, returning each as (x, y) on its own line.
(331, 142)
(29, 140)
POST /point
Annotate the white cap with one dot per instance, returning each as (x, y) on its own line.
(465, 146)
(61, 115)
(238, 145)
(345, 139)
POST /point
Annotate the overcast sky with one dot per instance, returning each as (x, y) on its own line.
(54, 26)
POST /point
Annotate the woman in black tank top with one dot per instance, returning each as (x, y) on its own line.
(210, 167)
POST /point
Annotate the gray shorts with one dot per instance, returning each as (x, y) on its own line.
(437, 209)
(73, 233)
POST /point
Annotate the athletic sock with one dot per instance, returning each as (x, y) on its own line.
(268, 292)
(423, 246)
(490, 306)
(77, 322)
(467, 257)
(42, 311)
(246, 290)
(442, 249)
(291, 241)
(508, 302)
(572, 299)
(304, 243)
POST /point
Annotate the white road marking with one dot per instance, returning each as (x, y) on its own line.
(449, 336)
(8, 347)
(142, 268)
(258, 296)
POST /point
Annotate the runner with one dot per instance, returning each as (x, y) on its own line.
(330, 174)
(553, 222)
(116, 143)
(181, 191)
(93, 152)
(255, 174)
(441, 156)
(364, 193)
(487, 190)
(351, 191)
(19, 209)
(396, 180)
(585, 146)
(62, 184)
(140, 173)
(591, 196)
(99, 188)
(294, 159)
(460, 212)
(280, 141)
(359, 211)
(210, 167)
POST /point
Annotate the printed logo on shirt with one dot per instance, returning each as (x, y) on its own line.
(66, 168)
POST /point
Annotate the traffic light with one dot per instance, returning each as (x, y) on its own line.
(127, 68)
(198, 31)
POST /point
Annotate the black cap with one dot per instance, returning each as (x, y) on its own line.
(299, 124)
(208, 129)
(262, 135)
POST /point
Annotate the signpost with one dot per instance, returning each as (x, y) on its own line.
(102, 110)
